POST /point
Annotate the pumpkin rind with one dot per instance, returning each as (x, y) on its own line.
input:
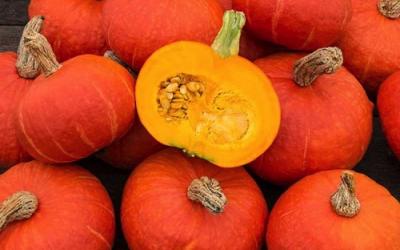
(74, 209)
(304, 219)
(151, 221)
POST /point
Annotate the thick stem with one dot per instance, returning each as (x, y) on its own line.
(322, 61)
(389, 8)
(26, 64)
(344, 201)
(19, 206)
(111, 55)
(208, 192)
(41, 50)
(227, 42)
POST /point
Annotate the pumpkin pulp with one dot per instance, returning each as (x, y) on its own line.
(207, 100)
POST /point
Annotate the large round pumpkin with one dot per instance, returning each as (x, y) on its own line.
(296, 24)
(135, 28)
(174, 202)
(389, 110)
(73, 27)
(335, 210)
(16, 73)
(48, 207)
(370, 42)
(326, 116)
(74, 109)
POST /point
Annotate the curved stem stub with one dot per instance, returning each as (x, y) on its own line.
(344, 201)
(389, 8)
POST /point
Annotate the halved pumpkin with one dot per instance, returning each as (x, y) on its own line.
(207, 100)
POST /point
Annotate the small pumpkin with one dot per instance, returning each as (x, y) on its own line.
(73, 109)
(73, 27)
(16, 73)
(326, 116)
(389, 110)
(174, 202)
(370, 41)
(131, 149)
(208, 101)
(296, 24)
(48, 207)
(135, 29)
(335, 210)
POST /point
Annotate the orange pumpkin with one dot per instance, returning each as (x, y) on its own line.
(174, 202)
(48, 207)
(209, 101)
(320, 212)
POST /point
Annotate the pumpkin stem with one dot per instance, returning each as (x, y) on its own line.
(344, 200)
(389, 8)
(227, 42)
(209, 193)
(19, 206)
(26, 64)
(322, 61)
(41, 50)
(111, 55)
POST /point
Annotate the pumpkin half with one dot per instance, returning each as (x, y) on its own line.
(207, 100)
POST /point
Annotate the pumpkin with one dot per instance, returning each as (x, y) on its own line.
(131, 149)
(208, 101)
(370, 41)
(73, 27)
(326, 116)
(335, 210)
(174, 202)
(73, 109)
(16, 72)
(296, 24)
(135, 29)
(389, 110)
(48, 207)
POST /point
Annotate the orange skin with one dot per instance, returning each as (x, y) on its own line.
(81, 108)
(304, 219)
(370, 45)
(389, 111)
(325, 126)
(134, 36)
(74, 209)
(150, 219)
(73, 27)
(13, 88)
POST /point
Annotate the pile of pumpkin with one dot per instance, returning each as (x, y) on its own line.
(294, 115)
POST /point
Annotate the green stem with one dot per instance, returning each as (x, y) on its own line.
(227, 42)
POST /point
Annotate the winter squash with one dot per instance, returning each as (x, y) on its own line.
(16, 72)
(389, 110)
(326, 116)
(48, 207)
(370, 41)
(134, 36)
(212, 208)
(131, 149)
(73, 27)
(335, 210)
(208, 101)
(73, 109)
(296, 24)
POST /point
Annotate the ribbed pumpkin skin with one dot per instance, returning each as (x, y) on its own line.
(83, 107)
(389, 110)
(12, 89)
(325, 126)
(73, 27)
(75, 211)
(157, 214)
(135, 29)
(370, 44)
(296, 24)
(131, 149)
(304, 219)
